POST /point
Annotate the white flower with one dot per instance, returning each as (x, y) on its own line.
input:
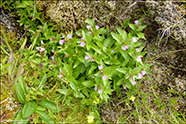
(90, 119)
(143, 72)
(89, 27)
(134, 39)
(97, 27)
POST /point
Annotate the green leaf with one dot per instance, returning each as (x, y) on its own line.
(120, 31)
(83, 68)
(122, 70)
(24, 4)
(108, 61)
(49, 105)
(73, 86)
(133, 26)
(104, 97)
(117, 37)
(90, 22)
(22, 84)
(34, 42)
(28, 109)
(137, 70)
(141, 35)
(94, 47)
(40, 108)
(78, 95)
(147, 65)
(126, 23)
(44, 116)
(19, 116)
(43, 80)
(4, 66)
(85, 91)
(99, 43)
(124, 54)
(108, 91)
(77, 71)
(77, 62)
(120, 81)
(109, 71)
(141, 27)
(6, 41)
(92, 68)
(125, 63)
(107, 42)
(63, 91)
(24, 43)
(98, 79)
(88, 83)
(20, 93)
(99, 38)
(117, 62)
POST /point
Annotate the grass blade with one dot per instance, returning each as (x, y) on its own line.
(6, 41)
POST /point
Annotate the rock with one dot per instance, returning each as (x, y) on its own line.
(170, 17)
(71, 15)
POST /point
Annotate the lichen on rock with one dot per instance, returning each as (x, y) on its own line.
(170, 17)
(71, 15)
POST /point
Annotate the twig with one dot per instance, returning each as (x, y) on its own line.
(129, 7)
(159, 55)
(64, 81)
(57, 8)
(37, 2)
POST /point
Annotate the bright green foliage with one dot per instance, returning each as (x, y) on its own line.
(29, 97)
(76, 66)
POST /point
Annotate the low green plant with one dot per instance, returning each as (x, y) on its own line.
(92, 63)
(34, 102)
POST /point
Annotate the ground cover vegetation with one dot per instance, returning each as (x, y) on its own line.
(69, 77)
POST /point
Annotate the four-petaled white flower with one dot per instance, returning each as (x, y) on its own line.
(97, 27)
(143, 72)
(100, 91)
(82, 43)
(133, 82)
(100, 67)
(134, 39)
(140, 75)
(40, 49)
(89, 27)
(136, 22)
(95, 88)
(42, 42)
(104, 77)
(138, 58)
(137, 49)
(61, 42)
(87, 57)
(69, 36)
(125, 47)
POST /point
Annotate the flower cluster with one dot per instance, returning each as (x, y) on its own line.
(62, 41)
(140, 75)
(87, 58)
(41, 49)
(100, 90)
